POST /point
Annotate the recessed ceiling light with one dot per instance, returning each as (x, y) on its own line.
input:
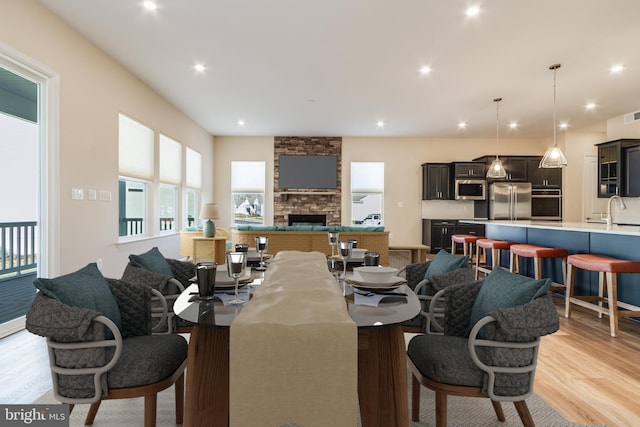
(149, 5)
(513, 125)
(425, 69)
(563, 125)
(617, 68)
(462, 125)
(200, 68)
(240, 122)
(380, 123)
(590, 106)
(472, 11)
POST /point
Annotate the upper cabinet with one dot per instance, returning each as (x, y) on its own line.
(616, 167)
(436, 183)
(515, 166)
(543, 177)
(475, 170)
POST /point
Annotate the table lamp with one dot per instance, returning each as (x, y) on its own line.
(209, 211)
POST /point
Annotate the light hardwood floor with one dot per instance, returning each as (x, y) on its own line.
(584, 373)
(587, 375)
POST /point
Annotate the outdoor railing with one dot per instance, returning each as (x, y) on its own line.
(131, 226)
(18, 252)
(166, 224)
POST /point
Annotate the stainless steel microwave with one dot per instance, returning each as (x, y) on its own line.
(470, 189)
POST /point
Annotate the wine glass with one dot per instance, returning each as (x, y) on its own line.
(236, 264)
(262, 242)
(346, 248)
(333, 241)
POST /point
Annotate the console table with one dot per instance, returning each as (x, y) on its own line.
(209, 249)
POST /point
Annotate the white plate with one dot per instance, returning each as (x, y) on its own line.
(358, 282)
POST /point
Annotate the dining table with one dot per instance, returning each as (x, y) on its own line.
(381, 356)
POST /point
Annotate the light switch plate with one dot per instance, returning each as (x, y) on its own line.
(105, 195)
(77, 194)
(92, 194)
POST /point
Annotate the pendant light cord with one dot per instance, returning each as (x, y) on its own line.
(554, 67)
(497, 101)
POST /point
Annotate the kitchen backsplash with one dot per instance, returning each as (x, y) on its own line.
(631, 215)
(447, 209)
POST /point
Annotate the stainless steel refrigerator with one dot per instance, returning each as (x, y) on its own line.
(510, 200)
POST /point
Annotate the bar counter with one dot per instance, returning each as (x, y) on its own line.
(618, 241)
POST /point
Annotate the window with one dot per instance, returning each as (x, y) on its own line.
(136, 173)
(170, 180)
(367, 193)
(247, 192)
(193, 184)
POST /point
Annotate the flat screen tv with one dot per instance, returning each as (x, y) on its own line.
(308, 172)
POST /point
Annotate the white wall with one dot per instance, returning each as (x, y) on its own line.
(93, 90)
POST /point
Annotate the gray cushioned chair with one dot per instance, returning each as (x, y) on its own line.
(498, 363)
(86, 367)
(170, 286)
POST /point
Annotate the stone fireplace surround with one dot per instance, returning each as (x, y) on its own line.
(305, 201)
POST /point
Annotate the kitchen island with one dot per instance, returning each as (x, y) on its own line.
(618, 241)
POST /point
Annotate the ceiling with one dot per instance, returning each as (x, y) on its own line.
(337, 67)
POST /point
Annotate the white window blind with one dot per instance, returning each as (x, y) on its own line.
(135, 149)
(194, 169)
(367, 177)
(170, 160)
(247, 177)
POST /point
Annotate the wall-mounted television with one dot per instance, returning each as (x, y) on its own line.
(308, 172)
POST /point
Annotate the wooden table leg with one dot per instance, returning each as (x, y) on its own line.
(382, 377)
(207, 395)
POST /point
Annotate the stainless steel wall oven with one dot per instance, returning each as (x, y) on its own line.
(546, 204)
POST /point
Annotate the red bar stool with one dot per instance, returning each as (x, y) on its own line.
(468, 241)
(537, 253)
(608, 269)
(496, 246)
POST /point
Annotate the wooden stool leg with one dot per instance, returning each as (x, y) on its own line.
(478, 261)
(495, 258)
(601, 292)
(612, 295)
(568, 293)
(453, 247)
(537, 268)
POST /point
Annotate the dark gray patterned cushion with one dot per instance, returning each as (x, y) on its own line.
(147, 359)
(459, 300)
(460, 275)
(134, 301)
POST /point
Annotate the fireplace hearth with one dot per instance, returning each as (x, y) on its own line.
(307, 219)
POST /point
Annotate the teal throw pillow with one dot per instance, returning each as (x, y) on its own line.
(152, 260)
(85, 288)
(502, 289)
(444, 262)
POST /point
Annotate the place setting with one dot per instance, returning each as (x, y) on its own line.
(374, 285)
(224, 281)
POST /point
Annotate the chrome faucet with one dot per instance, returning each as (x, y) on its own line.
(610, 211)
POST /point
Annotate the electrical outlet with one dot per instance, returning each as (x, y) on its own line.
(77, 194)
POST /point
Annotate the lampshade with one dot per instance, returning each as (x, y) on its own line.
(553, 157)
(496, 170)
(209, 211)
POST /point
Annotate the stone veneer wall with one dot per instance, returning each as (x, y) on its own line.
(329, 205)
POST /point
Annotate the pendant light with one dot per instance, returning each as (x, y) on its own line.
(553, 157)
(496, 170)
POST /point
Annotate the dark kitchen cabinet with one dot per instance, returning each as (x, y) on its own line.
(436, 233)
(543, 177)
(515, 166)
(473, 170)
(436, 182)
(616, 170)
(632, 168)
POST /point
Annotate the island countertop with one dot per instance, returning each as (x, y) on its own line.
(588, 227)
